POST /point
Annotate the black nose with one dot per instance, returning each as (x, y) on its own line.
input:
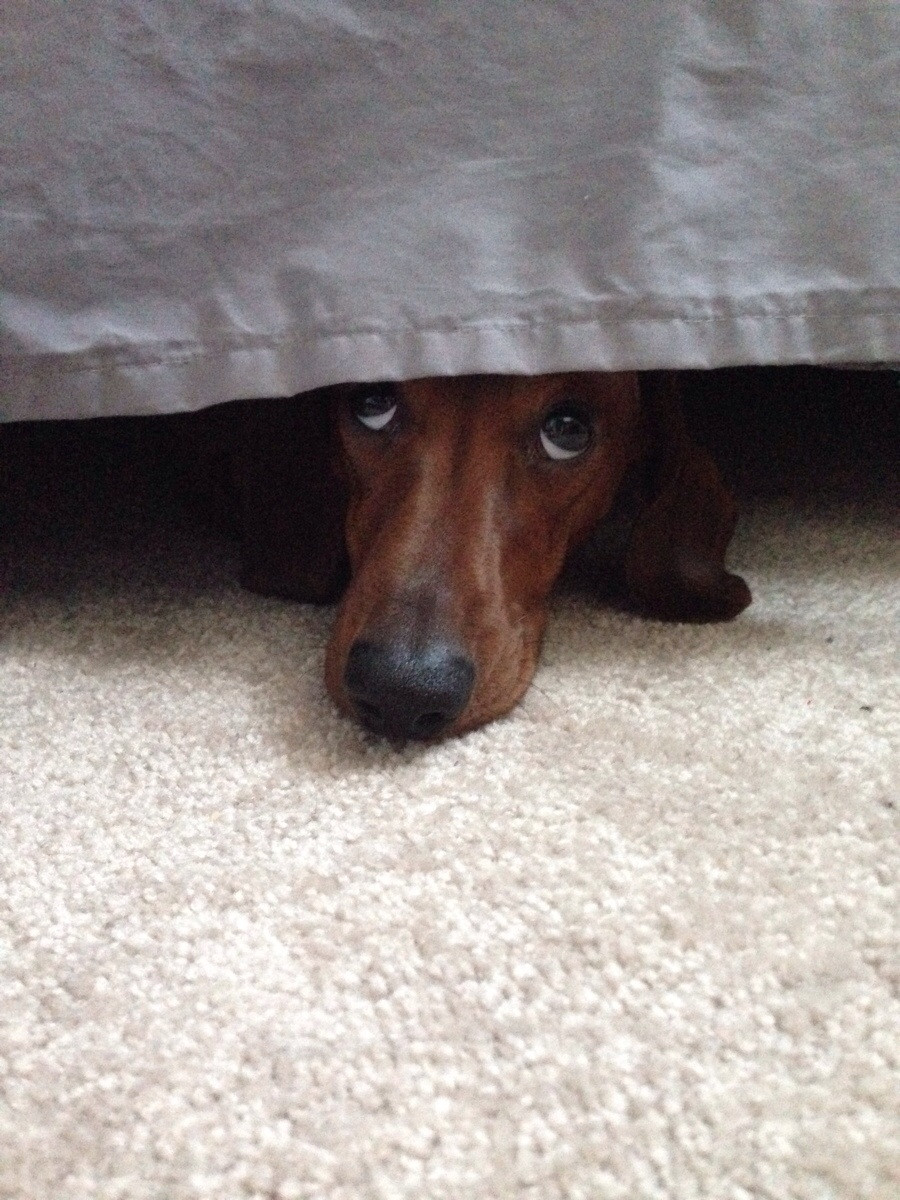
(404, 692)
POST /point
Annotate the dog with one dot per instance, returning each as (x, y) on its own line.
(442, 513)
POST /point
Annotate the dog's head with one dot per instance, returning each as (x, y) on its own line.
(465, 498)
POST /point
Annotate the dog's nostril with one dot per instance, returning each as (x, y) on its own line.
(429, 724)
(370, 712)
(404, 692)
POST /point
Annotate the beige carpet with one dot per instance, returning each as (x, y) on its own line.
(638, 940)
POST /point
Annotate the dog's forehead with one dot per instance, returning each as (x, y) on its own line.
(519, 391)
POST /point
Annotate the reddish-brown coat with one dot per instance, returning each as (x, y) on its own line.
(457, 527)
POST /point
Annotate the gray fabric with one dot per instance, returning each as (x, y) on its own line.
(205, 199)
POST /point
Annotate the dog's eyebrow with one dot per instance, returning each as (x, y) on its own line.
(554, 389)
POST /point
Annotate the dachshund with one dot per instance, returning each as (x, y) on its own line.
(442, 512)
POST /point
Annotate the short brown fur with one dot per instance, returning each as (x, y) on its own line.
(457, 527)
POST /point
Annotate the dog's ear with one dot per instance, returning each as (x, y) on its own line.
(675, 559)
(292, 497)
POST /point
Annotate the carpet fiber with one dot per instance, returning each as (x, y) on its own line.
(639, 939)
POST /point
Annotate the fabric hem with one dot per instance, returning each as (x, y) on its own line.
(183, 379)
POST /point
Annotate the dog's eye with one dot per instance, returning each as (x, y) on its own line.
(374, 408)
(565, 434)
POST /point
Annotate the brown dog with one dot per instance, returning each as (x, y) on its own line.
(459, 501)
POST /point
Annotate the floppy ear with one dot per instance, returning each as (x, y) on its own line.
(675, 560)
(292, 499)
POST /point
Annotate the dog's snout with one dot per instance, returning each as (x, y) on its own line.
(407, 692)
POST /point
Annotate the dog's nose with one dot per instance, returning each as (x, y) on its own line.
(402, 692)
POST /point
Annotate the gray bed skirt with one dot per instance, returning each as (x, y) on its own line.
(209, 199)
